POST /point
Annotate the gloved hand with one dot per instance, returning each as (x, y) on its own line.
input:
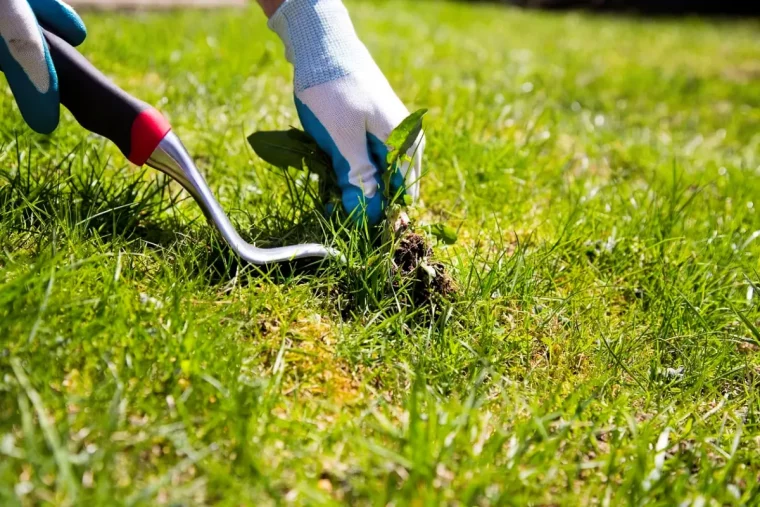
(25, 59)
(345, 103)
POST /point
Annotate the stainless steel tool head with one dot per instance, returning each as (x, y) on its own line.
(172, 158)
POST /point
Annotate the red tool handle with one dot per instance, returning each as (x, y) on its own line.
(102, 107)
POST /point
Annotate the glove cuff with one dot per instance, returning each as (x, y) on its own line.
(320, 41)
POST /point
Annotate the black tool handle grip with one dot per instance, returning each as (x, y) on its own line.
(102, 107)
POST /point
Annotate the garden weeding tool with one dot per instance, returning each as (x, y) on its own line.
(145, 137)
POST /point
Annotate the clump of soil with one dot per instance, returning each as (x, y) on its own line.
(414, 263)
(412, 249)
(442, 284)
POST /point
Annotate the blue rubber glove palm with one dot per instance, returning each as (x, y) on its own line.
(25, 58)
(345, 103)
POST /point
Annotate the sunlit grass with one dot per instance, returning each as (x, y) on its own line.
(602, 347)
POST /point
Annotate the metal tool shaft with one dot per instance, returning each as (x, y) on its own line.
(171, 157)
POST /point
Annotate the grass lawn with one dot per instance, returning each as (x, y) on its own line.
(602, 347)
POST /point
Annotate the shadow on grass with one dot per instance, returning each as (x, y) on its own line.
(137, 210)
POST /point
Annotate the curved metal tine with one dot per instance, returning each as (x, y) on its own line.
(172, 158)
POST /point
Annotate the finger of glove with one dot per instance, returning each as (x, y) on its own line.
(26, 62)
(61, 19)
(345, 141)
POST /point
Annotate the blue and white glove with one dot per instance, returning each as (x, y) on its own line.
(345, 103)
(25, 58)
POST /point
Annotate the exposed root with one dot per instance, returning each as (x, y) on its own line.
(412, 249)
(413, 262)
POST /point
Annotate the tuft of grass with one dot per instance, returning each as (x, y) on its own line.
(600, 174)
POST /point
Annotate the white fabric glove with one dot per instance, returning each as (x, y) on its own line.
(25, 59)
(345, 103)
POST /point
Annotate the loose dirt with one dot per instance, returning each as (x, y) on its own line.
(417, 268)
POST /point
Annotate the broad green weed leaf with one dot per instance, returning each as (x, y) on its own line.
(295, 148)
(300, 135)
(443, 232)
(403, 137)
(281, 148)
(399, 142)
